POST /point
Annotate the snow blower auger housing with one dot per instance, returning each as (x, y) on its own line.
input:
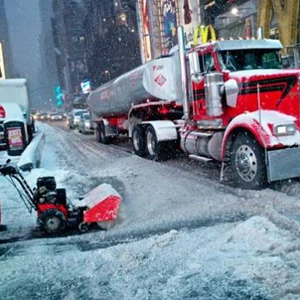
(54, 212)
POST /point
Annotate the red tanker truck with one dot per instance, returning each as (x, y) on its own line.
(228, 100)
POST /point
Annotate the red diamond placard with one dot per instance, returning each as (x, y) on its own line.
(160, 80)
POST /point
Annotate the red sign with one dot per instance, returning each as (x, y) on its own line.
(15, 140)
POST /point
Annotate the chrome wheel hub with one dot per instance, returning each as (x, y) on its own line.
(246, 163)
(150, 143)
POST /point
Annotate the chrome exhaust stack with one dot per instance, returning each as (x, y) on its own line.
(181, 46)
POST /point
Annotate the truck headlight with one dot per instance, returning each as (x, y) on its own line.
(284, 129)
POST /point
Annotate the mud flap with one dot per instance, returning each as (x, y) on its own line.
(283, 164)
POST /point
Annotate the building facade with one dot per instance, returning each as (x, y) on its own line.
(48, 75)
(233, 19)
(69, 43)
(6, 59)
(158, 21)
(111, 39)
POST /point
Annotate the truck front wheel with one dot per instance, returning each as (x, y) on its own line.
(248, 162)
(138, 141)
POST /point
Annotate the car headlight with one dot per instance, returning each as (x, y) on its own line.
(284, 129)
(87, 123)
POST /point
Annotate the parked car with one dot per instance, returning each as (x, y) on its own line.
(41, 116)
(84, 125)
(74, 116)
(56, 116)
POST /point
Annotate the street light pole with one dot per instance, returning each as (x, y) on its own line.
(107, 73)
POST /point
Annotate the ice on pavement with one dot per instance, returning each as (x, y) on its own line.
(248, 260)
(173, 243)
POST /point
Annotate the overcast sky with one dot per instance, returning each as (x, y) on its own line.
(24, 28)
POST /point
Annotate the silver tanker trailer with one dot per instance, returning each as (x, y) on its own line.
(155, 81)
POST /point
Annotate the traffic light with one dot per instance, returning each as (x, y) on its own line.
(59, 96)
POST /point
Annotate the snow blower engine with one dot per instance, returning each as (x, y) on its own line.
(54, 212)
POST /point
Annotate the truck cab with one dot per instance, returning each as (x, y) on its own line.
(243, 61)
(244, 110)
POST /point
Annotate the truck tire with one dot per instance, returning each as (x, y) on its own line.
(247, 161)
(100, 134)
(53, 221)
(97, 134)
(138, 141)
(154, 150)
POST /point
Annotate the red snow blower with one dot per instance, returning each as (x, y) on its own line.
(55, 213)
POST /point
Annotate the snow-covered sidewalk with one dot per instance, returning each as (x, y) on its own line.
(159, 250)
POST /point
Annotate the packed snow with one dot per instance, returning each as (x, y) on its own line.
(180, 236)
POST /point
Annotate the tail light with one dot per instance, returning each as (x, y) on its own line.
(2, 112)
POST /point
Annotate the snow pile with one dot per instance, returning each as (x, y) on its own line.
(31, 156)
(184, 236)
(247, 260)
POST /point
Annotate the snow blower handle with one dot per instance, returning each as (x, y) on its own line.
(8, 169)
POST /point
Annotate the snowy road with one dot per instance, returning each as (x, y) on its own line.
(182, 234)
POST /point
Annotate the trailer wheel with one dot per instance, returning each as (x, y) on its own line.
(248, 162)
(100, 134)
(138, 141)
(154, 149)
(53, 221)
(97, 133)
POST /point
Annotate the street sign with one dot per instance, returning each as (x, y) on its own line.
(59, 96)
(85, 87)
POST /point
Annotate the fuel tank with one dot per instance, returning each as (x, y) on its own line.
(156, 80)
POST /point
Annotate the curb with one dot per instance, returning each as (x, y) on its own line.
(31, 156)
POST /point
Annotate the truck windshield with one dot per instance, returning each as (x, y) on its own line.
(250, 59)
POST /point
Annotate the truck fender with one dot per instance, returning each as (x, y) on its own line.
(246, 122)
(105, 122)
(99, 120)
(165, 130)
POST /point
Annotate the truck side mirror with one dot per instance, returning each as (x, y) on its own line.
(231, 91)
(195, 67)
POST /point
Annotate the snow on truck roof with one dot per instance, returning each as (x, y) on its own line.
(13, 82)
(248, 44)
